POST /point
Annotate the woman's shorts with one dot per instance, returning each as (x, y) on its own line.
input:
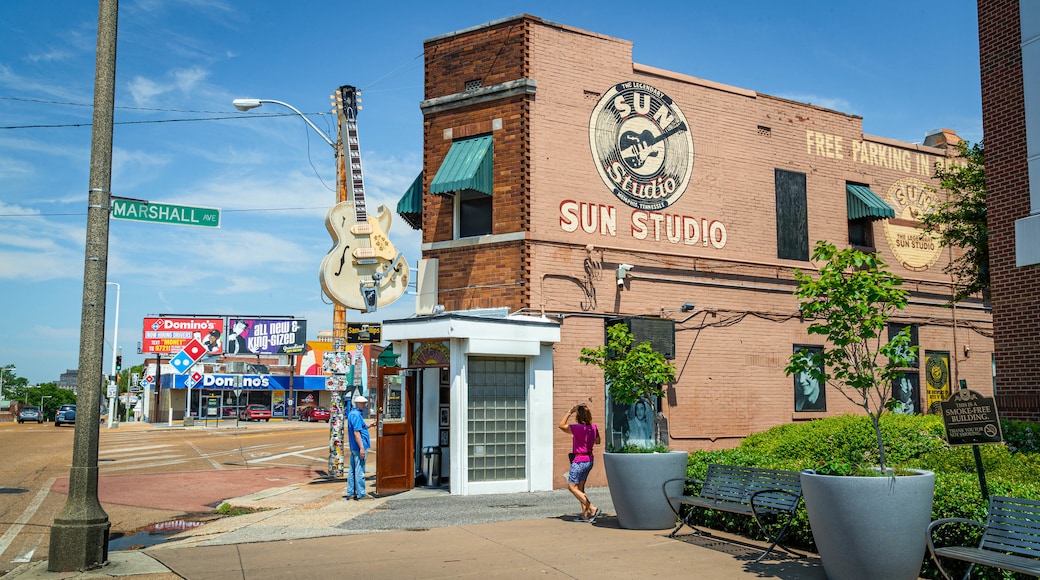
(579, 472)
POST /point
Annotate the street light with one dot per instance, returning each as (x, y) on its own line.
(112, 415)
(246, 104)
(42, 412)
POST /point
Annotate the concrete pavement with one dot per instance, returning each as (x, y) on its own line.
(308, 530)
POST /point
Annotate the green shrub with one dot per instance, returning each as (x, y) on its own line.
(848, 443)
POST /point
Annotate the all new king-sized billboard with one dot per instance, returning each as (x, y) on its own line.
(266, 336)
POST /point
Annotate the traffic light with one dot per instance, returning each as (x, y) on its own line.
(119, 363)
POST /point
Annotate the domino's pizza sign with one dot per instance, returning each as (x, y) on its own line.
(188, 356)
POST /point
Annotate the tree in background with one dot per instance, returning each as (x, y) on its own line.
(960, 221)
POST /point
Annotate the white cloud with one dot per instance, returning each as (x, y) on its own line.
(145, 91)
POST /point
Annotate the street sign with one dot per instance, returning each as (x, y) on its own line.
(113, 390)
(165, 213)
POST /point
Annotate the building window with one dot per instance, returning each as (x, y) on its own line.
(861, 235)
(497, 419)
(473, 213)
(792, 216)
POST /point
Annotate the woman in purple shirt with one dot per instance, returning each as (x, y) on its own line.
(584, 435)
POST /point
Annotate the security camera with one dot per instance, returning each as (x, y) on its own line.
(622, 273)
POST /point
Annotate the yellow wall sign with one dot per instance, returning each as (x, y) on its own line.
(915, 248)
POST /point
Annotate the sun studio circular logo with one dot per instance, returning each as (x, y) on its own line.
(642, 146)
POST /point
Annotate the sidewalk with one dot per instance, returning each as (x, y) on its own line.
(312, 531)
(308, 530)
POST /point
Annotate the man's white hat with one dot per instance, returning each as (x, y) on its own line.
(360, 399)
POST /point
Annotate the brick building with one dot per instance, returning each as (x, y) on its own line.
(564, 185)
(1009, 52)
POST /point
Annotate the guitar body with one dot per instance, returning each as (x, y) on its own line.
(342, 272)
(362, 263)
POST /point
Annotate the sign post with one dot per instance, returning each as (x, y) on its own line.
(971, 419)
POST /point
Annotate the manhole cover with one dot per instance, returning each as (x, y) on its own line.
(12, 490)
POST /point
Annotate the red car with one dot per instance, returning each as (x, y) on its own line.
(255, 413)
(314, 414)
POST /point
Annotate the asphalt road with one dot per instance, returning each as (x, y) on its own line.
(147, 475)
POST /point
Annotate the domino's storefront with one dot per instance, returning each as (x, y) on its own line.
(222, 396)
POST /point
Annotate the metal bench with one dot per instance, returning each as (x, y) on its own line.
(1010, 538)
(752, 491)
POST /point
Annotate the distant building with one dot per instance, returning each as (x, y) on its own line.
(67, 380)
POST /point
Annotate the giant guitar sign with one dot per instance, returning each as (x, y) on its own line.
(363, 270)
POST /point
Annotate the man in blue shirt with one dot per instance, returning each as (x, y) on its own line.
(357, 435)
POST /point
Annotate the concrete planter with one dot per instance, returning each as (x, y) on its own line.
(869, 527)
(635, 481)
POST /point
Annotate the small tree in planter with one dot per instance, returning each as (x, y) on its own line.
(864, 527)
(636, 474)
(632, 373)
(851, 303)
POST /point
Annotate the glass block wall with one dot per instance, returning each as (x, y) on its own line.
(497, 419)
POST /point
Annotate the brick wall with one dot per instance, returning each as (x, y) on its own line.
(730, 352)
(1015, 291)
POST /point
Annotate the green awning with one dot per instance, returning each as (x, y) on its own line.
(864, 203)
(409, 207)
(467, 166)
(387, 358)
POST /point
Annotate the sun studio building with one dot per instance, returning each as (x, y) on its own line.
(565, 187)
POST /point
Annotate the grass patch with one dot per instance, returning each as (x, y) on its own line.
(226, 509)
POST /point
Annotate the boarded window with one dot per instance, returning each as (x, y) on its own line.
(792, 216)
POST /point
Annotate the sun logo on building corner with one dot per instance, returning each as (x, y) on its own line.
(642, 145)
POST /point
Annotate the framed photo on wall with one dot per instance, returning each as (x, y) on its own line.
(445, 416)
(444, 439)
(809, 394)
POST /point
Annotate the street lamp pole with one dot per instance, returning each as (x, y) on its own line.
(113, 418)
(339, 312)
(246, 104)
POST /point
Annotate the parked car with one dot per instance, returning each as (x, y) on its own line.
(66, 414)
(314, 414)
(255, 413)
(30, 414)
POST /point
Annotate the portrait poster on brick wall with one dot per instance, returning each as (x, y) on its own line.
(809, 394)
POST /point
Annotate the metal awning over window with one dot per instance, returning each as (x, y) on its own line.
(409, 207)
(864, 203)
(468, 165)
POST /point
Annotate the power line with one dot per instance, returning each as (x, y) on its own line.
(224, 118)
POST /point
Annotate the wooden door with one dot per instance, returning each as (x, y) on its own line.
(395, 438)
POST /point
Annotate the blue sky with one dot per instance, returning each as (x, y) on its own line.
(905, 67)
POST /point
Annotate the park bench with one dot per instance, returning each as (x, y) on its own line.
(1010, 538)
(764, 494)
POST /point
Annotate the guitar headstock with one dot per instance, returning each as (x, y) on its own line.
(347, 101)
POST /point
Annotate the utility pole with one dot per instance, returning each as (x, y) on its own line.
(79, 535)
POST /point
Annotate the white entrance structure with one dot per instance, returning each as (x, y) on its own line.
(499, 385)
